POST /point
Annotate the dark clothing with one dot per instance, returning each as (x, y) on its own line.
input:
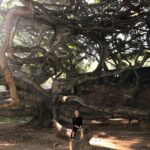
(74, 129)
(77, 121)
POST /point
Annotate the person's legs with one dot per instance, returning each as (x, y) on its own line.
(74, 130)
(72, 134)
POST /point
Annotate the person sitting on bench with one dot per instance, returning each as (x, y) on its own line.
(77, 123)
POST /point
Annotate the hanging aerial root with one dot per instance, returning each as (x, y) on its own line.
(12, 88)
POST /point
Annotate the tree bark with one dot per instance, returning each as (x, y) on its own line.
(9, 80)
(44, 116)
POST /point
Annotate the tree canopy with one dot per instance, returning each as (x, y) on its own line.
(68, 35)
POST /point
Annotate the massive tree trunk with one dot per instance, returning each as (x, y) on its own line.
(39, 98)
(44, 115)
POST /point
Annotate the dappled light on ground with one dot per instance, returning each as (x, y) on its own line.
(11, 146)
(120, 120)
(113, 143)
(6, 145)
(111, 136)
(95, 122)
(123, 121)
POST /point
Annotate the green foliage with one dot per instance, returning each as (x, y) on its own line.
(97, 1)
(93, 30)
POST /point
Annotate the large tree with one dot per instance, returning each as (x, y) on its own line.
(50, 39)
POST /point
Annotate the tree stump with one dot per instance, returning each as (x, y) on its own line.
(80, 142)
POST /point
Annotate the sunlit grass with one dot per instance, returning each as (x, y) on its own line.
(13, 120)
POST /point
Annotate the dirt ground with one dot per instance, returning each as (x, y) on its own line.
(116, 134)
(101, 137)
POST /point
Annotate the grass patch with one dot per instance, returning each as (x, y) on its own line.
(14, 120)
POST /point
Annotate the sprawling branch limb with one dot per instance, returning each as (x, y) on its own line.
(124, 112)
(26, 11)
(1, 2)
